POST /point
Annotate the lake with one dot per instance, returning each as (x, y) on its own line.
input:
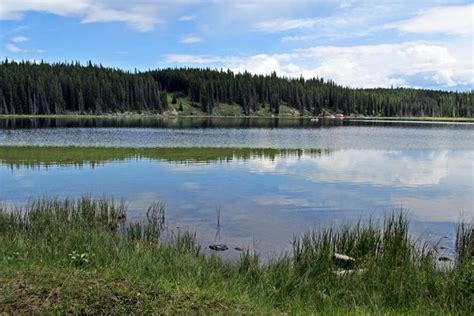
(268, 179)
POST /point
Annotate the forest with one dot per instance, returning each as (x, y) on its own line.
(62, 88)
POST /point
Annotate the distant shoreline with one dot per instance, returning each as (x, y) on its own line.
(149, 115)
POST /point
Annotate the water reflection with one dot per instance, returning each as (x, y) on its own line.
(374, 167)
(265, 195)
(205, 122)
(160, 122)
(32, 157)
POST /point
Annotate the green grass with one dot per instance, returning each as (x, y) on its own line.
(68, 256)
(288, 111)
(224, 109)
(263, 111)
(183, 107)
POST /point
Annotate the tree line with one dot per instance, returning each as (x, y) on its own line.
(28, 88)
(42, 88)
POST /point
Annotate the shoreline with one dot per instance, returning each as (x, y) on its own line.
(82, 256)
(165, 116)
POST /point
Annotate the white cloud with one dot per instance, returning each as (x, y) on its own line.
(279, 25)
(340, 23)
(142, 15)
(12, 48)
(297, 38)
(190, 40)
(139, 18)
(19, 39)
(196, 59)
(456, 20)
(258, 64)
(360, 66)
(11, 9)
(186, 18)
(356, 66)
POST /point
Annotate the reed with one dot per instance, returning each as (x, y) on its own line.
(84, 256)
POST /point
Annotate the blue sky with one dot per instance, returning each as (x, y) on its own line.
(358, 43)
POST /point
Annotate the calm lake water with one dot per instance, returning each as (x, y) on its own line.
(270, 179)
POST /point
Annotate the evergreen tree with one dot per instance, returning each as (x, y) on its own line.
(28, 88)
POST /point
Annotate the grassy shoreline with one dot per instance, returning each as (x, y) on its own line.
(82, 256)
(169, 116)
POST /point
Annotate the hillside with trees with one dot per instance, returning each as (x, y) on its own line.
(42, 88)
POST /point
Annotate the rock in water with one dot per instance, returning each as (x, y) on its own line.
(218, 247)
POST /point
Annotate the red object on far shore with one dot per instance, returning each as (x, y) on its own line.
(340, 116)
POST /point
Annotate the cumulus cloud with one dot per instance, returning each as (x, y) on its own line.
(142, 15)
(456, 20)
(360, 66)
(414, 63)
(259, 64)
(190, 39)
(356, 66)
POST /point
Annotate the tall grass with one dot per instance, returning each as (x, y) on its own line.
(464, 242)
(391, 273)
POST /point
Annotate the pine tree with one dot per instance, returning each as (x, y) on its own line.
(27, 88)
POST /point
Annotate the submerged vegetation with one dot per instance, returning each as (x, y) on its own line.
(51, 89)
(84, 256)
